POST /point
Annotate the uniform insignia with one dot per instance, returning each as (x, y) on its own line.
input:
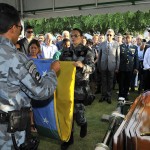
(33, 71)
(37, 76)
(132, 50)
(123, 46)
(67, 53)
(82, 53)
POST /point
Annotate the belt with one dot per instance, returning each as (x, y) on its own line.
(4, 117)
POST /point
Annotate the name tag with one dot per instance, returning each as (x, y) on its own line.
(132, 50)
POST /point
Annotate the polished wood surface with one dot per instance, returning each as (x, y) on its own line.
(134, 131)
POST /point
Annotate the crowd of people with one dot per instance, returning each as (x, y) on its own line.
(114, 59)
(114, 56)
(105, 60)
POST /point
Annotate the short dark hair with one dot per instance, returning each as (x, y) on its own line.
(9, 16)
(84, 37)
(89, 41)
(36, 42)
(81, 33)
(102, 34)
(28, 27)
(128, 35)
(65, 40)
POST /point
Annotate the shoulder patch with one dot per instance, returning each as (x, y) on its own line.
(33, 71)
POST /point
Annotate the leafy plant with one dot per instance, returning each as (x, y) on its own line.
(120, 22)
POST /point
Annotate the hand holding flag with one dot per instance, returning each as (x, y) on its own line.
(55, 66)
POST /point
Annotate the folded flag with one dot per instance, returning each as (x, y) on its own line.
(53, 117)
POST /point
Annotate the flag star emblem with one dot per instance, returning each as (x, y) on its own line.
(45, 120)
(44, 73)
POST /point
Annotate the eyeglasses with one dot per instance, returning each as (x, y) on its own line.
(20, 26)
(29, 31)
(75, 36)
(109, 35)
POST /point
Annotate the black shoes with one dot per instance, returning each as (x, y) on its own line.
(132, 89)
(65, 145)
(101, 99)
(83, 133)
(105, 99)
(108, 100)
(83, 130)
(126, 98)
(98, 92)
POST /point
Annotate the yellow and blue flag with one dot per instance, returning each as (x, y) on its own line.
(53, 117)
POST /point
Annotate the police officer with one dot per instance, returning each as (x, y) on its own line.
(128, 64)
(83, 59)
(20, 81)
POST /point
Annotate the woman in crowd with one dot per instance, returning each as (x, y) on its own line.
(34, 49)
(34, 53)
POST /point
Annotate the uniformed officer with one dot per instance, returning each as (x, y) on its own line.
(83, 59)
(128, 64)
(20, 81)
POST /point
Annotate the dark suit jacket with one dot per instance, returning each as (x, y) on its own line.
(128, 58)
(23, 45)
(59, 45)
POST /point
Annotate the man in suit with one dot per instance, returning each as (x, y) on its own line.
(29, 34)
(128, 64)
(108, 63)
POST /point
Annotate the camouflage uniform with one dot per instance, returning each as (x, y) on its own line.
(85, 55)
(19, 82)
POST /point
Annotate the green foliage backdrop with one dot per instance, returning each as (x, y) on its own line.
(120, 22)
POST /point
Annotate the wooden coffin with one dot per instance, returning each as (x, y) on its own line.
(134, 131)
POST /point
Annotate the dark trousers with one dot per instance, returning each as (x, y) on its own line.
(124, 83)
(141, 76)
(107, 83)
(132, 81)
(98, 81)
(116, 79)
(146, 80)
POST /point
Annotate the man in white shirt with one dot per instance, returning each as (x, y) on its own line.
(146, 64)
(134, 77)
(48, 49)
(141, 57)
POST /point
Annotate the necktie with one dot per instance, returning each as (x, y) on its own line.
(108, 47)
